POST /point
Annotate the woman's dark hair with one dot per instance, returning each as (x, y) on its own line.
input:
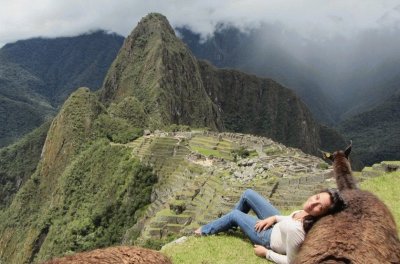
(337, 204)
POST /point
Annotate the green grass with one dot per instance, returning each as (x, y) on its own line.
(213, 249)
(209, 152)
(368, 169)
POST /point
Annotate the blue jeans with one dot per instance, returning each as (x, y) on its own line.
(239, 217)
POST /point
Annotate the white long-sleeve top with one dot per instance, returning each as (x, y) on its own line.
(286, 238)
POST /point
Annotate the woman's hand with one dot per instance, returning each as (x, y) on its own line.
(264, 224)
(260, 251)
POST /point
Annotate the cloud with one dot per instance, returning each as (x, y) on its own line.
(21, 19)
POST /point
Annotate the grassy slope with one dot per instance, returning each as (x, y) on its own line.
(233, 249)
(214, 249)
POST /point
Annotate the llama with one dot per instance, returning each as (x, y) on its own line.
(114, 255)
(364, 232)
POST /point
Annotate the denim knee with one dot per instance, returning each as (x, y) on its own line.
(248, 192)
(234, 214)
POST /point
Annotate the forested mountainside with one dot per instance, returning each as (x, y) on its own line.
(376, 132)
(96, 174)
(19, 161)
(37, 75)
(231, 48)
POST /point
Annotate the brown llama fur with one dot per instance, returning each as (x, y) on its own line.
(115, 255)
(364, 232)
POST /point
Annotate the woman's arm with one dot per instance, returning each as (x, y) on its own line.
(269, 254)
(275, 257)
(264, 224)
(268, 222)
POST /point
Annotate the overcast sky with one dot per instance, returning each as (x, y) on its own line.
(21, 19)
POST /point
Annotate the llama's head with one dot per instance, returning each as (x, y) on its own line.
(338, 155)
(342, 168)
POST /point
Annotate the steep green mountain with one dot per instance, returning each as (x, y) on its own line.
(98, 182)
(37, 75)
(262, 54)
(376, 132)
(156, 68)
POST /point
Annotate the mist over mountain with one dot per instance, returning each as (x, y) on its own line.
(37, 75)
(358, 72)
(337, 73)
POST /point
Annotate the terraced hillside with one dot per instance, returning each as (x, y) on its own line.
(201, 177)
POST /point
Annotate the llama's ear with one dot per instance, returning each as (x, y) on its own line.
(326, 155)
(348, 150)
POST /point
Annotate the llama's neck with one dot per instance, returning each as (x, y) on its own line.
(343, 174)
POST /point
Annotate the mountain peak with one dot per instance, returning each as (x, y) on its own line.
(152, 27)
(158, 69)
(154, 22)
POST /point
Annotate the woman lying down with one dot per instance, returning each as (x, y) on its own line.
(276, 237)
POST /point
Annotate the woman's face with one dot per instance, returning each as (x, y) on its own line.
(318, 204)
